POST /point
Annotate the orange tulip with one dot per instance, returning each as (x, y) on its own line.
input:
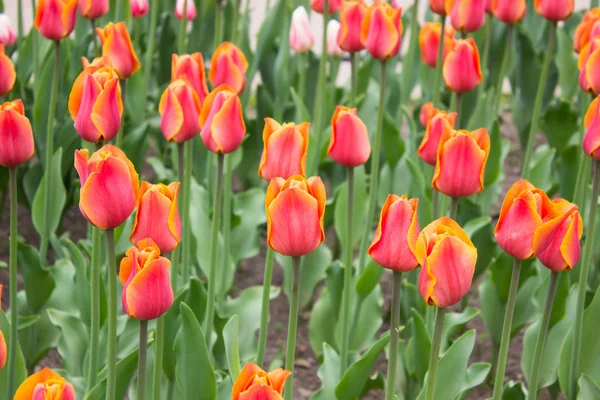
(147, 292)
(427, 111)
(468, 15)
(351, 17)
(319, 6)
(8, 75)
(554, 10)
(295, 210)
(118, 50)
(438, 6)
(381, 30)
(93, 9)
(433, 133)
(509, 11)
(2, 350)
(448, 258)
(462, 71)
(191, 68)
(394, 242)
(228, 66)
(109, 186)
(461, 159)
(253, 383)
(157, 216)
(349, 144)
(45, 385)
(55, 19)
(180, 112)
(429, 40)
(222, 122)
(588, 29)
(285, 147)
(591, 140)
(16, 136)
(589, 67)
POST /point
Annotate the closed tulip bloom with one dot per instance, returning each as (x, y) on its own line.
(351, 16)
(180, 112)
(462, 70)
(157, 216)
(8, 75)
(587, 29)
(319, 6)
(118, 50)
(468, 15)
(333, 29)
(381, 30)
(448, 258)
(591, 140)
(589, 67)
(433, 133)
(55, 19)
(253, 383)
(8, 35)
(285, 148)
(461, 159)
(509, 11)
(3, 352)
(554, 10)
(147, 292)
(439, 6)
(109, 186)
(191, 68)
(16, 136)
(228, 66)
(349, 144)
(139, 8)
(295, 210)
(191, 9)
(429, 40)
(93, 9)
(488, 7)
(427, 111)
(301, 36)
(394, 242)
(222, 121)
(45, 385)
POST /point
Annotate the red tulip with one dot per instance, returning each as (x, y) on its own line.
(55, 19)
(462, 71)
(8, 75)
(588, 29)
(45, 385)
(591, 140)
(429, 39)
(180, 110)
(351, 17)
(437, 123)
(285, 148)
(191, 68)
(319, 6)
(16, 136)
(118, 50)
(93, 9)
(509, 11)
(255, 384)
(554, 10)
(427, 111)
(439, 6)
(349, 144)
(468, 15)
(2, 351)
(381, 30)
(228, 66)
(222, 122)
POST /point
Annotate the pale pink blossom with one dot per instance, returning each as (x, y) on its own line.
(333, 48)
(139, 8)
(191, 9)
(7, 32)
(301, 36)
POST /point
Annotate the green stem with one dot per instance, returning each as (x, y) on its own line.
(95, 39)
(503, 70)
(354, 79)
(13, 344)
(394, 332)
(34, 47)
(177, 255)
(95, 306)
(236, 17)
(583, 281)
(541, 341)
(435, 352)
(111, 375)
(186, 252)
(120, 134)
(170, 389)
(219, 23)
(159, 344)
(458, 108)
(20, 19)
(226, 223)
(303, 68)
(453, 207)
(506, 330)
(435, 204)
(290, 354)
(151, 42)
(584, 162)
(182, 26)
(118, 9)
(347, 294)
(411, 55)
(143, 350)
(489, 25)
(437, 93)
(537, 108)
(264, 313)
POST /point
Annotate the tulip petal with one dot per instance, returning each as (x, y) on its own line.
(288, 149)
(228, 128)
(149, 294)
(379, 35)
(25, 391)
(278, 377)
(16, 137)
(242, 380)
(107, 111)
(260, 392)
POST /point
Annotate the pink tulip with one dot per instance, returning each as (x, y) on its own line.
(191, 9)
(333, 48)
(301, 37)
(139, 8)
(8, 36)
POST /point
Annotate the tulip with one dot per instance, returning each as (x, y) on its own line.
(554, 10)
(191, 68)
(295, 209)
(55, 19)
(228, 66)
(591, 140)
(191, 9)
(118, 50)
(509, 11)
(253, 383)
(381, 30)
(349, 144)
(109, 186)
(139, 8)
(462, 71)
(435, 128)
(468, 15)
(589, 67)
(396, 236)
(588, 29)
(93, 9)
(427, 111)
(8, 35)
(301, 36)
(180, 110)
(333, 29)
(222, 122)
(461, 159)
(438, 6)
(319, 6)
(16, 136)
(488, 7)
(2, 351)
(351, 17)
(429, 39)
(45, 385)
(285, 148)
(8, 75)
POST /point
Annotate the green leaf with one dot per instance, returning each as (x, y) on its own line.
(319, 325)
(126, 367)
(21, 370)
(232, 349)
(514, 391)
(73, 343)
(249, 214)
(393, 144)
(368, 280)
(475, 224)
(454, 322)
(329, 373)
(541, 171)
(588, 389)
(419, 344)
(38, 281)
(360, 207)
(560, 123)
(566, 62)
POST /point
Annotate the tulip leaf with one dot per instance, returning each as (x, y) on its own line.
(360, 206)
(475, 224)
(39, 282)
(329, 373)
(419, 344)
(588, 389)
(368, 280)
(566, 62)
(172, 324)
(514, 391)
(393, 144)
(82, 284)
(541, 171)
(369, 320)
(560, 123)
(20, 369)
(126, 367)
(322, 316)
(454, 321)
(302, 113)
(73, 342)
(232, 349)
(249, 215)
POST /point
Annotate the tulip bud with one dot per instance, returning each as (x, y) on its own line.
(554, 10)
(509, 11)
(461, 159)
(118, 50)
(396, 236)
(448, 258)
(16, 136)
(95, 104)
(439, 122)
(589, 67)
(147, 292)
(109, 186)
(295, 209)
(222, 121)
(191, 68)
(93, 9)
(349, 144)
(301, 36)
(381, 30)
(591, 140)
(333, 29)
(191, 9)
(427, 111)
(2, 351)
(45, 385)
(139, 8)
(285, 148)
(488, 7)
(319, 6)
(429, 41)
(8, 36)
(228, 66)
(180, 112)
(438, 6)
(8, 75)
(351, 16)
(55, 19)
(157, 216)
(588, 29)
(468, 15)
(253, 383)
(462, 71)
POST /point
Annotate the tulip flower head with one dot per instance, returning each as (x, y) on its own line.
(381, 30)
(427, 111)
(301, 36)
(591, 140)
(509, 11)
(93, 9)
(8, 75)
(2, 351)
(109, 186)
(468, 15)
(488, 7)
(462, 70)
(180, 110)
(228, 66)
(191, 68)
(588, 29)
(429, 39)
(319, 6)
(589, 67)
(55, 19)
(437, 124)
(45, 385)
(16, 136)
(333, 29)
(222, 121)
(139, 8)
(295, 209)
(118, 50)
(554, 10)
(441, 7)
(191, 9)
(351, 16)
(253, 383)
(285, 148)
(8, 35)
(349, 144)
